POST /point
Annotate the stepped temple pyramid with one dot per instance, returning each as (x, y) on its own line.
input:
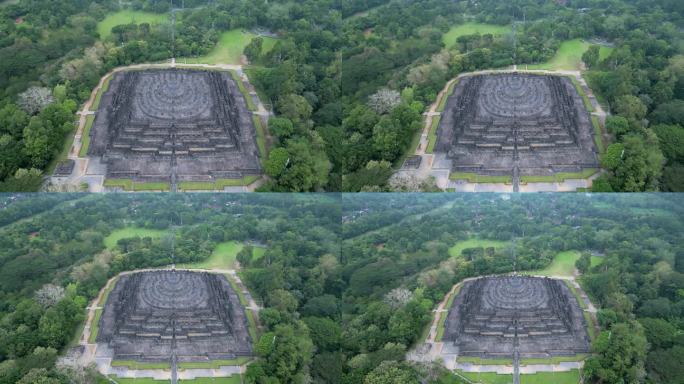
(174, 315)
(509, 316)
(520, 124)
(174, 125)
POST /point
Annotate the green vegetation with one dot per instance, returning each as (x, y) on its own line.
(432, 135)
(580, 91)
(570, 377)
(563, 264)
(569, 56)
(95, 326)
(223, 256)
(245, 93)
(575, 293)
(559, 177)
(523, 362)
(127, 16)
(214, 364)
(132, 364)
(449, 38)
(598, 134)
(63, 154)
(100, 92)
(260, 137)
(217, 185)
(457, 249)
(142, 380)
(235, 379)
(130, 185)
(229, 48)
(85, 137)
(475, 178)
(443, 315)
(129, 232)
(445, 96)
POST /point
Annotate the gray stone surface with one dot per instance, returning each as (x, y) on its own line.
(150, 316)
(538, 123)
(488, 313)
(174, 125)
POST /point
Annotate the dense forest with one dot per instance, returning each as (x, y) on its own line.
(347, 283)
(349, 79)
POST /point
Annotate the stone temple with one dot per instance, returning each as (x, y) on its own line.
(492, 317)
(181, 315)
(174, 125)
(503, 124)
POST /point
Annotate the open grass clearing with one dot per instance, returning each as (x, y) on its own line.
(127, 16)
(457, 249)
(563, 264)
(569, 56)
(449, 38)
(223, 256)
(129, 232)
(229, 48)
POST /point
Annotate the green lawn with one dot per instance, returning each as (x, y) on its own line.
(104, 27)
(598, 134)
(443, 101)
(570, 377)
(450, 37)
(559, 177)
(100, 92)
(456, 250)
(223, 256)
(128, 232)
(138, 365)
(443, 315)
(229, 48)
(432, 135)
(235, 379)
(475, 178)
(245, 93)
(137, 381)
(580, 90)
(130, 185)
(523, 362)
(260, 137)
(94, 326)
(569, 56)
(215, 364)
(217, 185)
(563, 264)
(85, 137)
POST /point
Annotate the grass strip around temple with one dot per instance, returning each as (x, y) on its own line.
(85, 137)
(445, 96)
(475, 178)
(214, 364)
(443, 315)
(132, 364)
(598, 134)
(130, 185)
(245, 93)
(559, 177)
(432, 135)
(217, 185)
(100, 92)
(260, 137)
